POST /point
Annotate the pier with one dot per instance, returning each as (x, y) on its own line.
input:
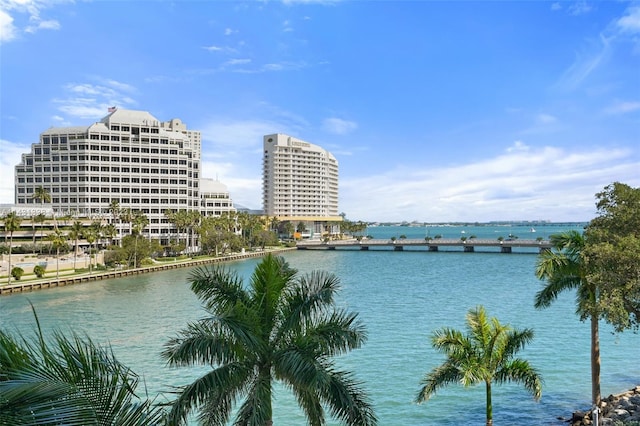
(433, 245)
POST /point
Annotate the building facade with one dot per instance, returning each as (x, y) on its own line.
(129, 158)
(214, 198)
(300, 183)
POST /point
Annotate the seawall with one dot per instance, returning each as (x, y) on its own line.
(19, 287)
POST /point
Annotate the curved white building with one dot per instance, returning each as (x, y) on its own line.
(300, 182)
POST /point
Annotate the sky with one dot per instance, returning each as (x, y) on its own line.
(436, 111)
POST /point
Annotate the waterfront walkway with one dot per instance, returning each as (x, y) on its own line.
(468, 245)
(49, 282)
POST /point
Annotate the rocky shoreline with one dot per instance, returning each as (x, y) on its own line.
(620, 409)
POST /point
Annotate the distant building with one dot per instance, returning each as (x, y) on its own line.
(129, 158)
(300, 184)
(214, 198)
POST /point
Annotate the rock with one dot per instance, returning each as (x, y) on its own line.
(613, 409)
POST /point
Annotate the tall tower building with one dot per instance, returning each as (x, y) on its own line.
(129, 157)
(300, 181)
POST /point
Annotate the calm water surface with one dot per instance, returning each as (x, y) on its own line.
(401, 297)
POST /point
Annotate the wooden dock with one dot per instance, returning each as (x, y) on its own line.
(469, 245)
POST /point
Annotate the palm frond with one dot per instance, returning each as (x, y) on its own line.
(441, 376)
(216, 391)
(346, 400)
(520, 371)
(217, 287)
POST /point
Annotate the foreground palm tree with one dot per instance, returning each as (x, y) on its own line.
(68, 381)
(485, 354)
(563, 269)
(279, 328)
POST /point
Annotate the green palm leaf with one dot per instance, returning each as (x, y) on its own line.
(279, 327)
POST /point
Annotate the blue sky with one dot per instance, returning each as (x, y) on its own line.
(436, 111)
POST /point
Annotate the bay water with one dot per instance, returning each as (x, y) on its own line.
(401, 297)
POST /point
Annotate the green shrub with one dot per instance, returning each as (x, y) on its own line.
(39, 271)
(17, 272)
(146, 262)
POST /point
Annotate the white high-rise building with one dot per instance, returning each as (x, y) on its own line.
(300, 182)
(129, 157)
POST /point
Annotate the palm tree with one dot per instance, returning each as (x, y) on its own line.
(280, 328)
(40, 218)
(91, 235)
(69, 381)
(11, 224)
(140, 221)
(41, 194)
(33, 233)
(485, 354)
(75, 234)
(126, 216)
(58, 240)
(96, 226)
(110, 232)
(114, 208)
(563, 269)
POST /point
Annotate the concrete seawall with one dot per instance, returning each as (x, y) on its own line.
(19, 287)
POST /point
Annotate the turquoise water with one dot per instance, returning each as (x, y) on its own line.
(401, 297)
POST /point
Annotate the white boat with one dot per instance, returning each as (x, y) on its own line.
(533, 229)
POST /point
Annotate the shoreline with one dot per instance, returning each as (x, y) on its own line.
(63, 281)
(622, 408)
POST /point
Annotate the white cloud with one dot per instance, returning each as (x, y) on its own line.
(237, 62)
(585, 63)
(87, 100)
(224, 49)
(546, 118)
(630, 23)
(339, 126)
(579, 8)
(622, 107)
(229, 31)
(518, 146)
(10, 157)
(43, 25)
(7, 29)
(523, 183)
(10, 9)
(556, 6)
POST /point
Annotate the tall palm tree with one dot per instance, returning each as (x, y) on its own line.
(280, 328)
(75, 233)
(42, 194)
(563, 269)
(67, 380)
(114, 208)
(96, 225)
(40, 218)
(126, 216)
(11, 224)
(58, 240)
(139, 222)
(91, 235)
(485, 354)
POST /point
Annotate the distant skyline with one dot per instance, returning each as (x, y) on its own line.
(436, 111)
